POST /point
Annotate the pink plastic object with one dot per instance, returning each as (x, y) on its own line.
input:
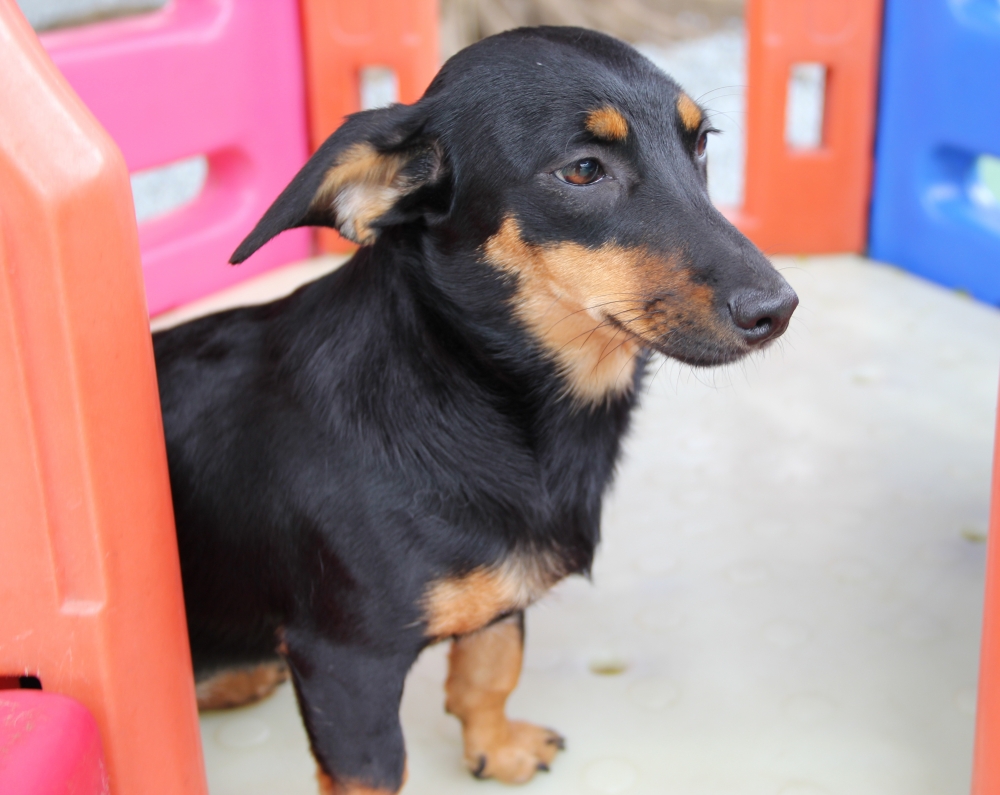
(221, 78)
(49, 745)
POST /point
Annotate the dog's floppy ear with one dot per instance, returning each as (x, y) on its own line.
(358, 181)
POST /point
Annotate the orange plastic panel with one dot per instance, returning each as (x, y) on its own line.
(814, 200)
(89, 576)
(986, 767)
(343, 37)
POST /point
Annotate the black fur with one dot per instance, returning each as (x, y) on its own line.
(393, 423)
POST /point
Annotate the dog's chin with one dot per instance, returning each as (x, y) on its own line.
(705, 353)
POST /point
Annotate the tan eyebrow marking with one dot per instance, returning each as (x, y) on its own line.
(607, 123)
(689, 111)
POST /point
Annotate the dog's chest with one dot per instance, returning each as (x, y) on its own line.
(577, 470)
(463, 604)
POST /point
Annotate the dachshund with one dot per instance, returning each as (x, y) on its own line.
(414, 447)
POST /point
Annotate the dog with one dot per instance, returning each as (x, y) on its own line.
(414, 448)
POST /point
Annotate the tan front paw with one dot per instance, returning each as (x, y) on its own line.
(514, 754)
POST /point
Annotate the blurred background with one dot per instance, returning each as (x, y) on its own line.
(699, 42)
(466, 21)
(654, 22)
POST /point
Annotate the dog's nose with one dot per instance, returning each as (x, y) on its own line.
(762, 316)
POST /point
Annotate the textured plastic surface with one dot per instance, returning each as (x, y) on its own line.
(986, 767)
(90, 582)
(343, 37)
(219, 78)
(800, 201)
(938, 110)
(49, 745)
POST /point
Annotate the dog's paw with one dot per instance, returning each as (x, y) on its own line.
(514, 753)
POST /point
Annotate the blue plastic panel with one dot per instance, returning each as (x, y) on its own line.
(936, 201)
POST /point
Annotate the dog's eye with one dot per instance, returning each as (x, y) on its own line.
(583, 172)
(702, 145)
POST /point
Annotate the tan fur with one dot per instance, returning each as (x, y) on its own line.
(240, 686)
(327, 786)
(360, 188)
(689, 112)
(607, 123)
(459, 605)
(592, 309)
(483, 671)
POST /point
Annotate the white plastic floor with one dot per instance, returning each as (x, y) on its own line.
(787, 601)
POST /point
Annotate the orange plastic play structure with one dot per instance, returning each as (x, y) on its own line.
(986, 765)
(805, 201)
(342, 40)
(90, 582)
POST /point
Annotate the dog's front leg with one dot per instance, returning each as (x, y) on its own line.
(349, 699)
(484, 669)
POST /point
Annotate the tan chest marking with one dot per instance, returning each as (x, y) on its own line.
(327, 786)
(607, 123)
(689, 112)
(460, 605)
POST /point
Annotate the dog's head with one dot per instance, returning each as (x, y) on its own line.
(562, 158)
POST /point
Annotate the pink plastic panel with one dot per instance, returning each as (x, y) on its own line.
(220, 78)
(49, 745)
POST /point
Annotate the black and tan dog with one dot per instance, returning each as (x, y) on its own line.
(415, 447)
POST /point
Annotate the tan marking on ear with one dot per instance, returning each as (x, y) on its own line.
(459, 605)
(327, 786)
(483, 671)
(689, 112)
(239, 686)
(608, 123)
(361, 187)
(593, 310)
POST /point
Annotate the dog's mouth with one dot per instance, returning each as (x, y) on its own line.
(701, 345)
(701, 352)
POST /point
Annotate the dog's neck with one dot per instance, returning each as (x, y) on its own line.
(531, 446)
(544, 343)
(567, 432)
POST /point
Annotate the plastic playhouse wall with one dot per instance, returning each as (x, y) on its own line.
(244, 85)
(810, 199)
(936, 208)
(217, 78)
(89, 576)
